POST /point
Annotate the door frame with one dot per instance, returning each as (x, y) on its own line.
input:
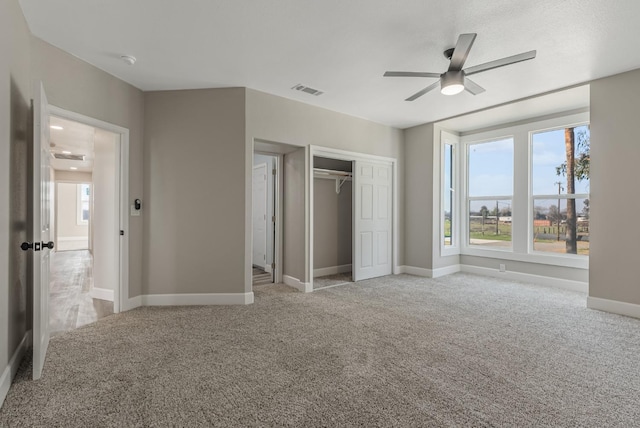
(351, 157)
(121, 291)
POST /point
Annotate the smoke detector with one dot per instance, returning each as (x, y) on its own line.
(128, 59)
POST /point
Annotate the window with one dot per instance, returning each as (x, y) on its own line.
(490, 193)
(84, 196)
(560, 190)
(448, 204)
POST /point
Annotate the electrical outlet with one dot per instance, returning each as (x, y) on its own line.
(503, 267)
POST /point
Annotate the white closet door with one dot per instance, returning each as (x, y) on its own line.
(372, 220)
(260, 215)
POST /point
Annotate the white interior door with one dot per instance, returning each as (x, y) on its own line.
(41, 229)
(260, 215)
(372, 220)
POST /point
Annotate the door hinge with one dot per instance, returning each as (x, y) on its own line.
(122, 233)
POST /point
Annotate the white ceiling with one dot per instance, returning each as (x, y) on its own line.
(74, 137)
(344, 47)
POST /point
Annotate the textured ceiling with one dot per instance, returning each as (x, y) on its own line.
(344, 47)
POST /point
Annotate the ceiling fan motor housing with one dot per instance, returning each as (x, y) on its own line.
(452, 82)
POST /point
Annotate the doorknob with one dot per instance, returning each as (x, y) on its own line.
(26, 245)
(48, 245)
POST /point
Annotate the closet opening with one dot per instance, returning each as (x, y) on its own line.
(333, 222)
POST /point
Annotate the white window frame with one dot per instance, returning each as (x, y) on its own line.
(79, 220)
(522, 198)
(533, 197)
(447, 138)
(466, 199)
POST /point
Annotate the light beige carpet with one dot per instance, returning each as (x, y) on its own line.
(331, 280)
(398, 351)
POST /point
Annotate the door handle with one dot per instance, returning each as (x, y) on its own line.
(26, 246)
(48, 245)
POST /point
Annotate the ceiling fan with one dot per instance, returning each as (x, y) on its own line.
(454, 80)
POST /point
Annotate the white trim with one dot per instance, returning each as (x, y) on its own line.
(122, 289)
(412, 270)
(447, 138)
(332, 270)
(11, 369)
(565, 284)
(102, 294)
(132, 303)
(563, 260)
(430, 273)
(614, 306)
(305, 287)
(197, 299)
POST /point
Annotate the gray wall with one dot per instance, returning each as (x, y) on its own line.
(418, 210)
(332, 224)
(277, 119)
(615, 149)
(293, 215)
(15, 169)
(195, 191)
(77, 86)
(105, 214)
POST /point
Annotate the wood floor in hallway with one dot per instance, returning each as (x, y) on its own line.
(70, 304)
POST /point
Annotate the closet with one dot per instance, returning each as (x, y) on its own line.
(333, 222)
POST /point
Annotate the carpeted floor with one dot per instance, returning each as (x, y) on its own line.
(331, 280)
(397, 351)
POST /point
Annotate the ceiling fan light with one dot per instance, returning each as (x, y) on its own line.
(452, 82)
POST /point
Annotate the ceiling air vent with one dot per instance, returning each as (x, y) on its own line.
(68, 157)
(308, 90)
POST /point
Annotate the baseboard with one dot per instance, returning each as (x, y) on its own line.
(331, 270)
(430, 273)
(412, 270)
(564, 284)
(614, 306)
(131, 303)
(197, 299)
(12, 367)
(102, 294)
(305, 287)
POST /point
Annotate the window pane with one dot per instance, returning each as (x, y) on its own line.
(490, 223)
(549, 167)
(491, 168)
(554, 226)
(448, 193)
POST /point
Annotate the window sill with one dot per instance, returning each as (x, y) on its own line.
(567, 260)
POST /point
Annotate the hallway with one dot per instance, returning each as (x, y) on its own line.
(71, 305)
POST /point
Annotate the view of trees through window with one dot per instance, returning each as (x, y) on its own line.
(489, 195)
(560, 169)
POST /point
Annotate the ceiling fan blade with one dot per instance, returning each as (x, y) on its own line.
(473, 87)
(461, 51)
(410, 74)
(424, 91)
(500, 63)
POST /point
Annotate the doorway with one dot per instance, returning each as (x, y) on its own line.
(85, 220)
(333, 221)
(374, 221)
